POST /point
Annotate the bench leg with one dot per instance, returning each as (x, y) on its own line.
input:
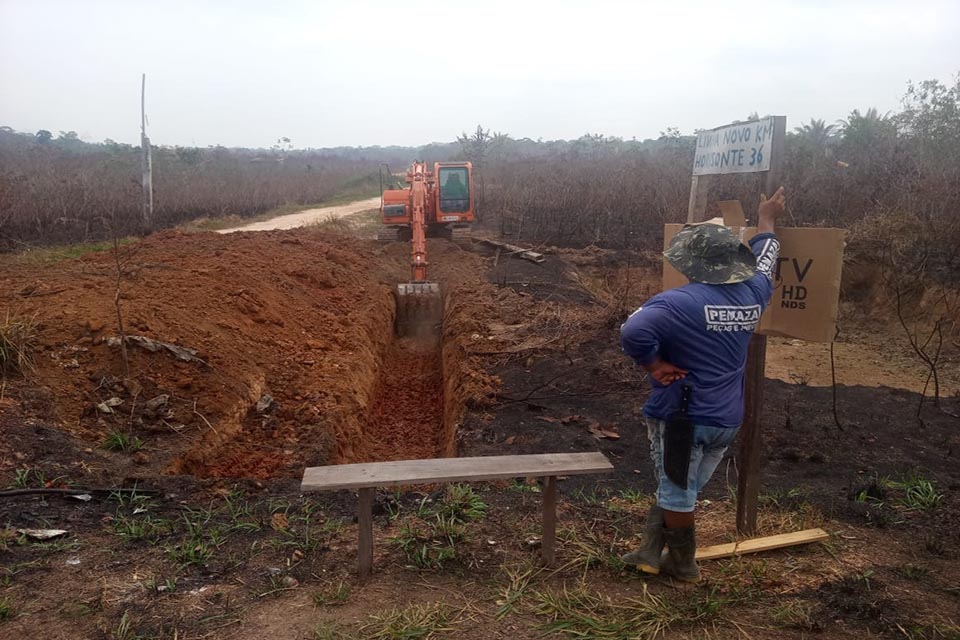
(548, 540)
(365, 520)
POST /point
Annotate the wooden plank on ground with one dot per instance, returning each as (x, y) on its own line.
(526, 254)
(388, 474)
(756, 545)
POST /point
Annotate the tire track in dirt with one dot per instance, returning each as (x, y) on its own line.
(308, 216)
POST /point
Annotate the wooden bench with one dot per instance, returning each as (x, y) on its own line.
(366, 477)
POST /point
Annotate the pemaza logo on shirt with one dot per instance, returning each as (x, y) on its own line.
(732, 318)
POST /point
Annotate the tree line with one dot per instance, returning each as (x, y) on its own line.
(868, 172)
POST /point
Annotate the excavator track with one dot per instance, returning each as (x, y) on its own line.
(389, 234)
(461, 233)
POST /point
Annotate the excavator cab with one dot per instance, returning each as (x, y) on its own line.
(454, 195)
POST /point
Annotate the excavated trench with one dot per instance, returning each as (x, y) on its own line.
(405, 404)
(414, 405)
(406, 416)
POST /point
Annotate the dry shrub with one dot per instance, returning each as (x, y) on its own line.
(18, 336)
(65, 190)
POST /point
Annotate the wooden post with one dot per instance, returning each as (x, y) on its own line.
(751, 437)
(549, 538)
(365, 522)
(697, 209)
(751, 440)
(146, 159)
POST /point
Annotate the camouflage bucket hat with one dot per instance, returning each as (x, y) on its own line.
(711, 254)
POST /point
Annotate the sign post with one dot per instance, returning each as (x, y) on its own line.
(747, 147)
(751, 439)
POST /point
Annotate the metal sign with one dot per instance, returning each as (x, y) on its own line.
(744, 147)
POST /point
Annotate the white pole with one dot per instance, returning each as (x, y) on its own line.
(146, 161)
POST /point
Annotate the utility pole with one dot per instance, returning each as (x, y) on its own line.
(146, 160)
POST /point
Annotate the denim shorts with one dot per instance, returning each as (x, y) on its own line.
(709, 445)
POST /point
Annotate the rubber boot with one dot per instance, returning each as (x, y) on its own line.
(679, 560)
(647, 557)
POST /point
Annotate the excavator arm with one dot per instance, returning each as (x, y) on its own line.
(419, 305)
(418, 222)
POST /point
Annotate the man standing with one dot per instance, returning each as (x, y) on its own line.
(693, 341)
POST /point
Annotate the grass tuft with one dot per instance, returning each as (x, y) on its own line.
(331, 630)
(6, 609)
(122, 441)
(796, 613)
(133, 529)
(589, 614)
(920, 494)
(334, 595)
(18, 340)
(413, 622)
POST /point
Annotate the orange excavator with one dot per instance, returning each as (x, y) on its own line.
(438, 202)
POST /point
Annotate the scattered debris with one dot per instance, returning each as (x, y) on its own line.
(157, 403)
(279, 521)
(526, 254)
(264, 403)
(600, 433)
(42, 534)
(185, 354)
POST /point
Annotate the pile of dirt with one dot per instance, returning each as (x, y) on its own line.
(302, 318)
(252, 354)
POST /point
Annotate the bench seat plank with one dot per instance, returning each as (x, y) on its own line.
(388, 474)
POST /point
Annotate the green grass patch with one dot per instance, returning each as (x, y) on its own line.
(134, 529)
(6, 609)
(60, 253)
(122, 441)
(429, 538)
(919, 494)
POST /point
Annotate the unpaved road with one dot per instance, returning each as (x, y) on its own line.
(308, 216)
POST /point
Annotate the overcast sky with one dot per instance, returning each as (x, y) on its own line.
(243, 73)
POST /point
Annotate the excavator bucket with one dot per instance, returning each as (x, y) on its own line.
(419, 309)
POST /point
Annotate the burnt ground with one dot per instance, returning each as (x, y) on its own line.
(531, 350)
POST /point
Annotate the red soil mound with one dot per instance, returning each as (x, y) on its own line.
(301, 316)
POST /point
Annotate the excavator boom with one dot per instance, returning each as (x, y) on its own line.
(419, 304)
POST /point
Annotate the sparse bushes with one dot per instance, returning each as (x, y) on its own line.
(65, 190)
(619, 193)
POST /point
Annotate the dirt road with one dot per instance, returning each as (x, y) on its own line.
(308, 216)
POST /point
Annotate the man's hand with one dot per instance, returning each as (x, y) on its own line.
(770, 210)
(666, 373)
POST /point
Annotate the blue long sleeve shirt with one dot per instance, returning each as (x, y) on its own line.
(704, 329)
